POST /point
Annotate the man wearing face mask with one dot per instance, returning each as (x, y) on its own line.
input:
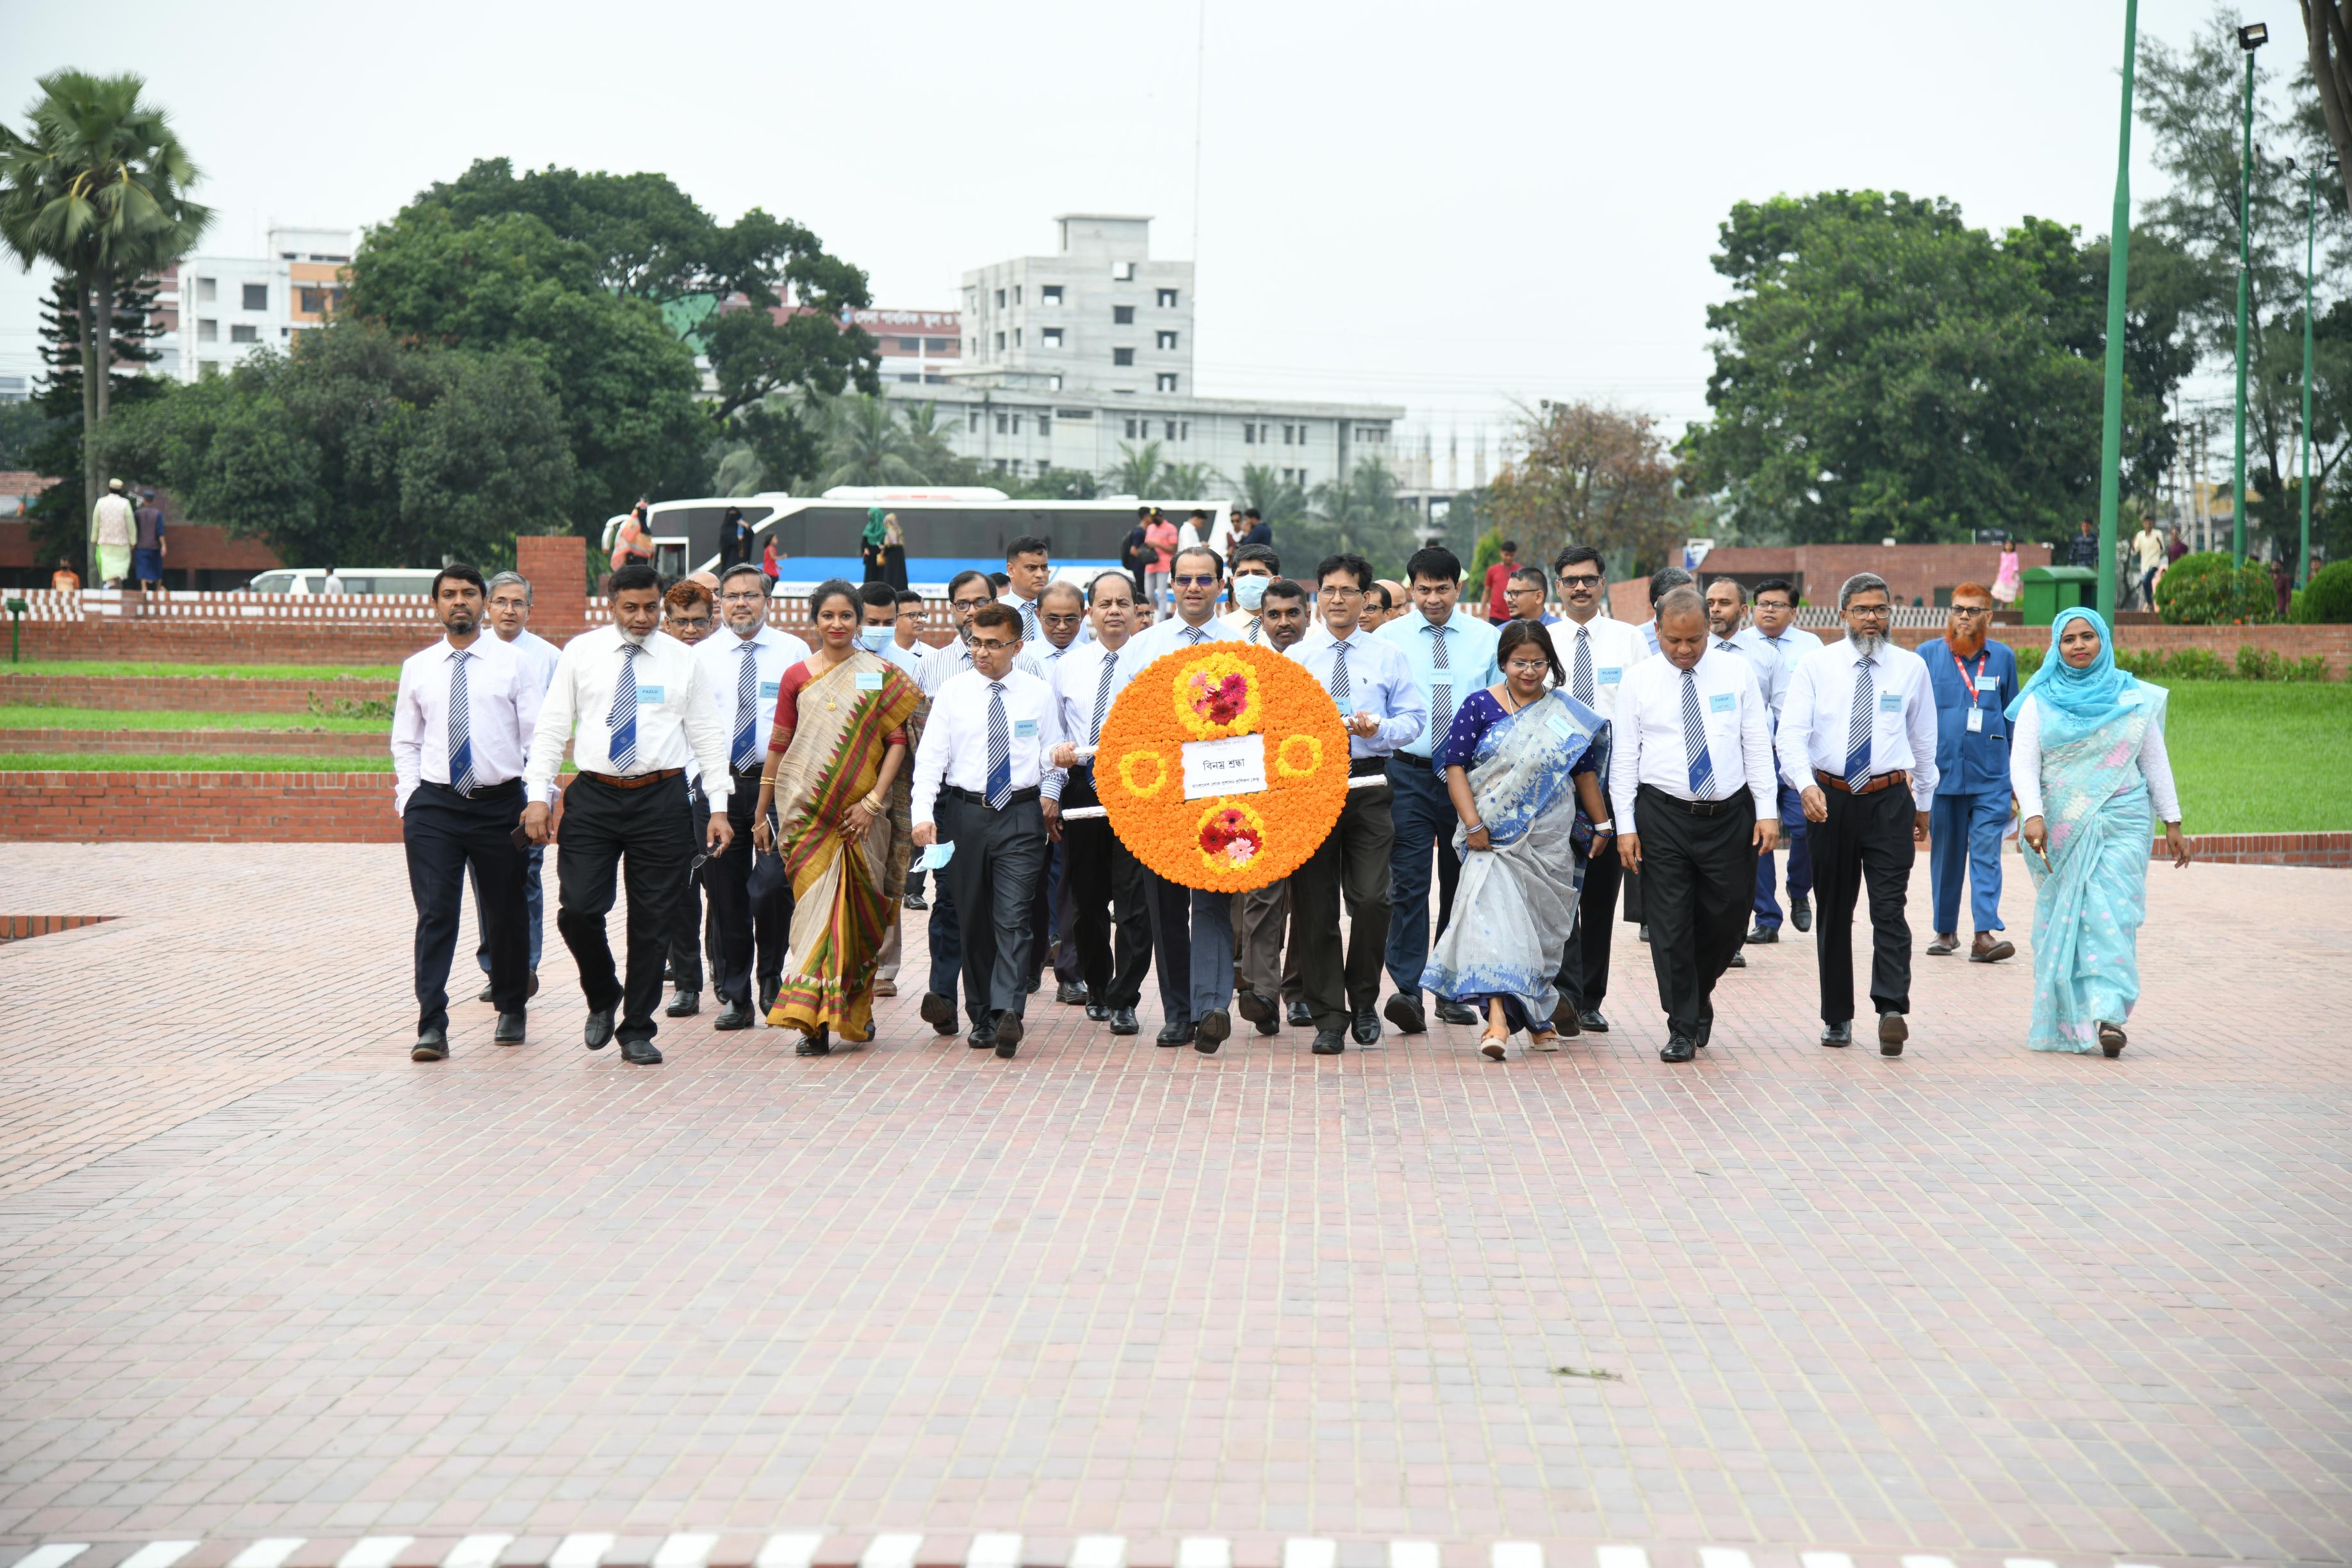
(1254, 565)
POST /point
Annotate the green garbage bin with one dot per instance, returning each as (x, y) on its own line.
(2050, 589)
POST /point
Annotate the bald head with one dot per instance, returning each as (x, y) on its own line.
(1682, 626)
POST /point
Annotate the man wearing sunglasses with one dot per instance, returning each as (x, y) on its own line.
(1975, 681)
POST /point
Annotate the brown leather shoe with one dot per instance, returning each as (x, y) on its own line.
(1945, 942)
(1988, 948)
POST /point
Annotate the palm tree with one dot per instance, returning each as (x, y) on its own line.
(930, 445)
(1137, 473)
(1276, 498)
(97, 188)
(865, 443)
(1189, 481)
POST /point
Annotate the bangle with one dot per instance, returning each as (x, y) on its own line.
(1476, 827)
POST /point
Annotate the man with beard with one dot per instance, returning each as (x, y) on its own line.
(1858, 742)
(1975, 681)
(1726, 608)
(462, 724)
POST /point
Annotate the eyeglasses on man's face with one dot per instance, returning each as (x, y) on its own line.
(968, 605)
(1973, 609)
(1195, 581)
(1580, 582)
(1870, 612)
(990, 645)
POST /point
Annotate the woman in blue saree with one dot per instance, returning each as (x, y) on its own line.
(2087, 763)
(1524, 766)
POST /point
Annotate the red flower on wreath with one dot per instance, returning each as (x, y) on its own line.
(1222, 701)
(1231, 834)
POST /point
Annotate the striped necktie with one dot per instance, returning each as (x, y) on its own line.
(1029, 619)
(1441, 686)
(1000, 749)
(621, 723)
(1343, 688)
(1857, 727)
(1581, 681)
(461, 724)
(1102, 697)
(1702, 766)
(1195, 636)
(747, 713)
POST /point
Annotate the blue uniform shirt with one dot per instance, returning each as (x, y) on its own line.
(1971, 762)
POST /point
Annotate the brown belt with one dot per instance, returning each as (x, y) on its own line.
(633, 781)
(1884, 781)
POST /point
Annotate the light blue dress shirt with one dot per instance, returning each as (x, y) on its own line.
(1469, 658)
(1379, 682)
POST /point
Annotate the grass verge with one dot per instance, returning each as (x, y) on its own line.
(2255, 757)
(187, 763)
(33, 716)
(134, 668)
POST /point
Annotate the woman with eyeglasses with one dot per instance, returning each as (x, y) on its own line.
(2088, 764)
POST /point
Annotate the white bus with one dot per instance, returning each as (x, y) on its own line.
(356, 580)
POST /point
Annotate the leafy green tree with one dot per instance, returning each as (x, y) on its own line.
(1589, 474)
(98, 187)
(1362, 512)
(60, 515)
(866, 444)
(1053, 484)
(1278, 500)
(1139, 472)
(357, 449)
(1191, 482)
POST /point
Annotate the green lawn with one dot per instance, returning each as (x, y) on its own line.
(2255, 757)
(32, 716)
(171, 763)
(120, 666)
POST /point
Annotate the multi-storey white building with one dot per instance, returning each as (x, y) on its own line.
(1099, 315)
(213, 310)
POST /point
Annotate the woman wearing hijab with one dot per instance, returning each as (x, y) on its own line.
(869, 545)
(894, 552)
(2086, 761)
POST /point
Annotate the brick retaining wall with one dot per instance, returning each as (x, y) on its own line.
(163, 742)
(2332, 849)
(200, 808)
(188, 693)
(2331, 643)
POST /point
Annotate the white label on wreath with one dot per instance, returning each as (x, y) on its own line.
(1235, 765)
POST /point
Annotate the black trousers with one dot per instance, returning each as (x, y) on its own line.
(1866, 842)
(1112, 923)
(1583, 977)
(643, 835)
(999, 856)
(446, 833)
(1351, 863)
(743, 929)
(1698, 877)
(686, 937)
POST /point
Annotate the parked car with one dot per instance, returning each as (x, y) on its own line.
(355, 580)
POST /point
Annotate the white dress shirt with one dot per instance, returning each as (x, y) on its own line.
(946, 663)
(1818, 713)
(677, 712)
(2026, 767)
(502, 702)
(1027, 610)
(721, 656)
(1771, 675)
(1379, 682)
(1793, 646)
(954, 752)
(1649, 744)
(1614, 647)
(538, 655)
(1168, 636)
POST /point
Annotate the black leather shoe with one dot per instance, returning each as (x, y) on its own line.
(1892, 1032)
(1327, 1043)
(1457, 1013)
(767, 989)
(1678, 1049)
(600, 1029)
(1300, 1016)
(533, 990)
(1070, 994)
(1643, 931)
(1706, 1033)
(937, 1010)
(1837, 1033)
(1098, 1013)
(982, 1038)
(685, 1005)
(510, 1030)
(1173, 1034)
(1800, 913)
(1009, 1032)
(1258, 1009)
(642, 1052)
(1738, 961)
(1365, 1026)
(1211, 1031)
(1123, 1022)
(1564, 1020)
(486, 996)
(1405, 1012)
(815, 1044)
(1036, 983)
(915, 902)
(734, 1015)
(1757, 934)
(1591, 1022)
(432, 1046)
(1271, 1026)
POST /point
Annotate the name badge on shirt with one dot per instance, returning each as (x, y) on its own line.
(1611, 675)
(769, 689)
(1722, 703)
(1025, 728)
(649, 695)
(1975, 719)
(870, 680)
(1890, 702)
(1987, 681)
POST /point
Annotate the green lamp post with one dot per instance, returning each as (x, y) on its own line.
(2250, 36)
(2111, 434)
(2310, 253)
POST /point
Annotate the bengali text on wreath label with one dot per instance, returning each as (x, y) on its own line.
(1234, 766)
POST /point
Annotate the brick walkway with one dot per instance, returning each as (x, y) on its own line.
(262, 1277)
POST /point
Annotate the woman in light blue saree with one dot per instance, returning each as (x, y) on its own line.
(1523, 765)
(2087, 763)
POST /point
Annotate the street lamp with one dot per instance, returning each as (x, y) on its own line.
(2252, 37)
(2310, 248)
(2111, 432)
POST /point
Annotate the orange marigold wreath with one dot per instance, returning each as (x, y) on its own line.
(1227, 843)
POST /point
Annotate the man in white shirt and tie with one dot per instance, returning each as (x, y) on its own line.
(1727, 610)
(1061, 613)
(1028, 568)
(1110, 903)
(643, 708)
(966, 594)
(1690, 786)
(1382, 706)
(980, 784)
(743, 664)
(1598, 654)
(1858, 743)
(1774, 624)
(509, 618)
(464, 716)
(1192, 928)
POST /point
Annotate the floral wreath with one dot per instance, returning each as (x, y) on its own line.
(1224, 843)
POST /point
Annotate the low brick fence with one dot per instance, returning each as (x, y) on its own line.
(2331, 643)
(199, 808)
(2331, 850)
(167, 743)
(192, 693)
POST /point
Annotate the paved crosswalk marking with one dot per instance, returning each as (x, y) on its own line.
(376, 1552)
(474, 1551)
(891, 1551)
(578, 1551)
(159, 1553)
(56, 1555)
(993, 1551)
(1518, 1554)
(1412, 1554)
(1307, 1552)
(1204, 1552)
(1099, 1552)
(1622, 1557)
(1723, 1557)
(793, 1549)
(1824, 1560)
(273, 1550)
(684, 1551)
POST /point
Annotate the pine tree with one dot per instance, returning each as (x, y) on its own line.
(60, 517)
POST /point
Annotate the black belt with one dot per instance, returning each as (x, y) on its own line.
(1015, 799)
(1729, 804)
(499, 791)
(752, 770)
(1362, 767)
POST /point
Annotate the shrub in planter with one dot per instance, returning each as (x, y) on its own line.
(2326, 600)
(2204, 590)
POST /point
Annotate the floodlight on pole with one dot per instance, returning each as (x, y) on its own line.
(2252, 37)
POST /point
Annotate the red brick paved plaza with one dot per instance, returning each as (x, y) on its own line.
(261, 1276)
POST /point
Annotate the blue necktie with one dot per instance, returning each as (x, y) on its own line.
(621, 723)
(747, 716)
(1702, 766)
(1102, 698)
(1857, 729)
(461, 724)
(1000, 749)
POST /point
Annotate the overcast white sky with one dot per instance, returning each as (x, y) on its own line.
(1444, 207)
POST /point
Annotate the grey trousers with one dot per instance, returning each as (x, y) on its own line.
(999, 856)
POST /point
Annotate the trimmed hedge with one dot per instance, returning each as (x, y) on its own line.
(2327, 599)
(2204, 590)
(2199, 664)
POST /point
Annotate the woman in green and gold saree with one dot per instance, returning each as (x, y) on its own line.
(837, 779)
